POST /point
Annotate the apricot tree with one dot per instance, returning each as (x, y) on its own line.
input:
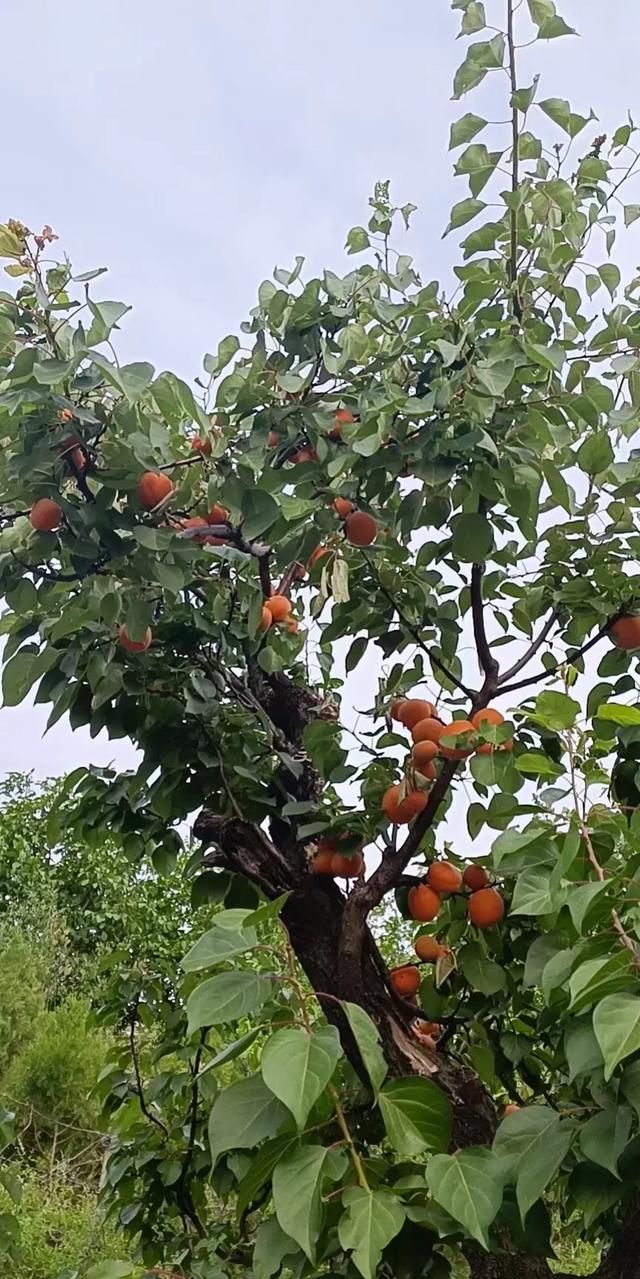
(375, 470)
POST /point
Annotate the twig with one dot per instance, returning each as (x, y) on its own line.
(183, 1195)
(625, 939)
(531, 651)
(133, 1016)
(570, 660)
(513, 219)
(416, 636)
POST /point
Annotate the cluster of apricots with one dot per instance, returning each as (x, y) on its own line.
(434, 739)
(277, 610)
(330, 861)
(485, 906)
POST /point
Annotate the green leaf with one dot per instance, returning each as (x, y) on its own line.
(610, 276)
(533, 764)
(616, 713)
(232, 1050)
(596, 978)
(357, 240)
(131, 379)
(372, 1219)
(532, 894)
(297, 1067)
(550, 26)
(596, 454)
(474, 19)
(581, 899)
(472, 539)
(468, 1185)
(631, 213)
(495, 376)
(581, 1049)
(261, 1168)
(616, 1022)
(260, 511)
(226, 997)
(464, 129)
(417, 1115)
(513, 841)
(533, 1143)
(481, 57)
(481, 972)
(556, 711)
(478, 164)
(463, 212)
(105, 317)
(559, 110)
(243, 1115)
(225, 940)
(630, 1085)
(270, 1249)
(604, 1137)
(297, 1185)
(18, 676)
(227, 348)
(367, 1038)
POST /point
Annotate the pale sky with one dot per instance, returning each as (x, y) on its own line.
(191, 148)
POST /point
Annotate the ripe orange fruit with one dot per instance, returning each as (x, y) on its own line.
(428, 1030)
(400, 811)
(344, 867)
(279, 606)
(65, 415)
(405, 981)
(360, 528)
(395, 709)
(487, 716)
(485, 908)
(511, 1109)
(487, 748)
(304, 455)
(135, 646)
(429, 949)
(413, 710)
(444, 878)
(625, 633)
(339, 418)
(423, 903)
(217, 515)
(45, 515)
(428, 770)
(458, 729)
(343, 506)
(424, 754)
(321, 864)
(317, 555)
(265, 620)
(428, 730)
(475, 877)
(153, 487)
(194, 521)
(200, 445)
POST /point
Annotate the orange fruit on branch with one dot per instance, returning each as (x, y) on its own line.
(399, 811)
(485, 908)
(321, 864)
(413, 710)
(153, 487)
(461, 728)
(343, 507)
(424, 753)
(218, 514)
(266, 620)
(200, 445)
(405, 981)
(340, 417)
(395, 709)
(135, 646)
(45, 515)
(428, 729)
(344, 867)
(444, 878)
(487, 716)
(625, 633)
(279, 606)
(360, 528)
(429, 949)
(475, 877)
(424, 904)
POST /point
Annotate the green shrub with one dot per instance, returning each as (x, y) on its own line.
(22, 997)
(52, 1077)
(60, 1227)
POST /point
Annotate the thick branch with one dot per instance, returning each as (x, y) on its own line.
(487, 661)
(531, 651)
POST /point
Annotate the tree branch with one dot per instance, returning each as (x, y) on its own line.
(148, 1114)
(531, 651)
(414, 632)
(487, 661)
(570, 660)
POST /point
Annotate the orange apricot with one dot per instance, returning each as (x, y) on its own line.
(460, 728)
(399, 811)
(45, 515)
(135, 646)
(428, 729)
(406, 980)
(153, 487)
(279, 606)
(415, 709)
(475, 877)
(424, 904)
(429, 949)
(444, 878)
(360, 528)
(485, 908)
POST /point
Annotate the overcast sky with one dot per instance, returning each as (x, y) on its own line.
(191, 148)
